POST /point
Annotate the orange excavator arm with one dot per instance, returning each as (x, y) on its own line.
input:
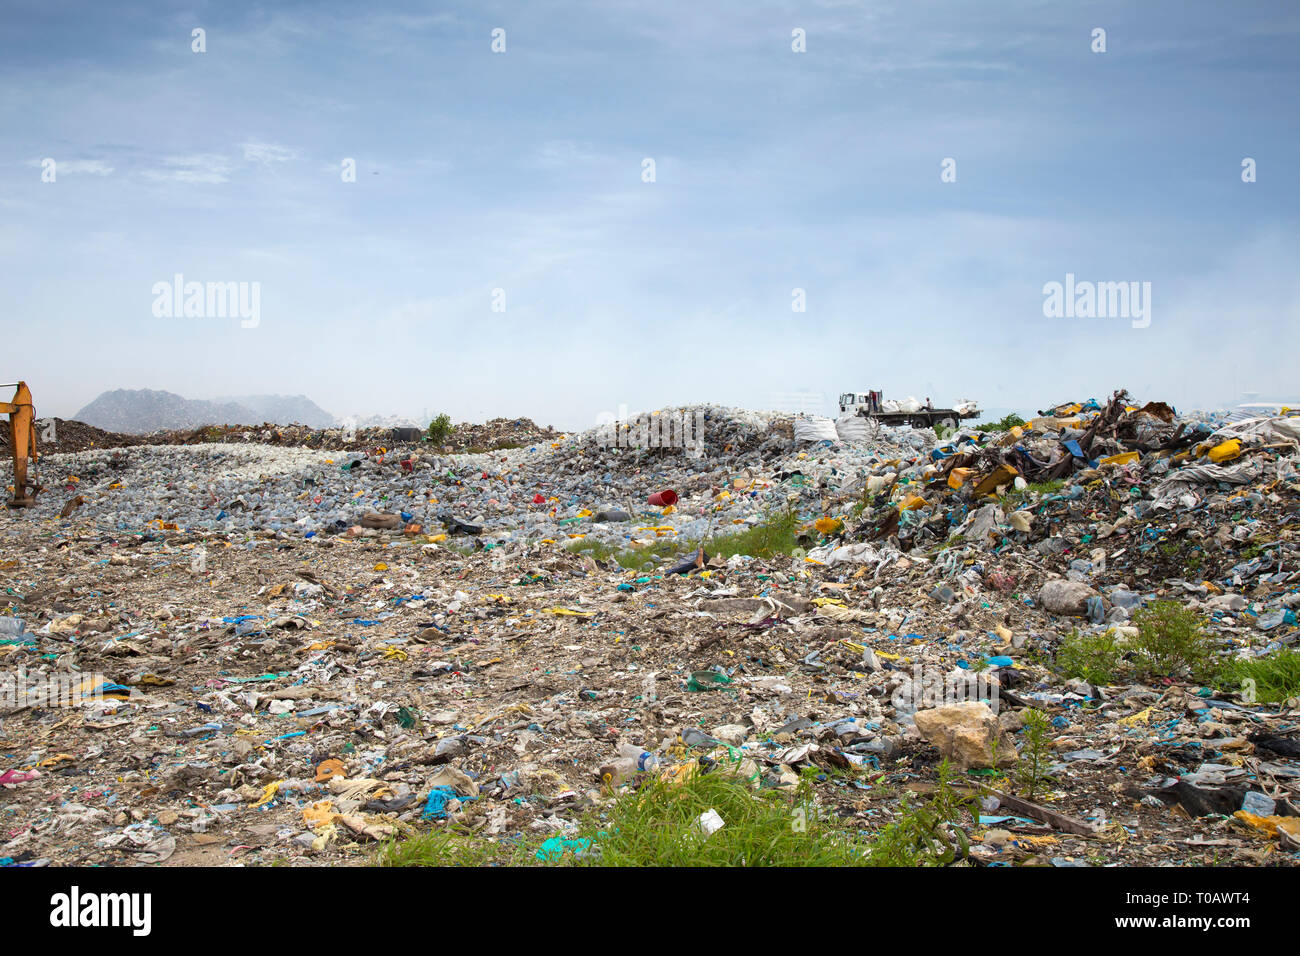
(22, 443)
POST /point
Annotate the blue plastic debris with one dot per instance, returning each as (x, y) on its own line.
(555, 848)
(435, 807)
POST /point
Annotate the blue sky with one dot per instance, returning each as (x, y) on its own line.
(522, 171)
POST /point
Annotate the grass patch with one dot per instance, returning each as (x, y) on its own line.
(631, 559)
(450, 846)
(776, 536)
(656, 826)
(1275, 678)
(930, 833)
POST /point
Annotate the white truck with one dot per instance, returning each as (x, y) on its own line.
(873, 405)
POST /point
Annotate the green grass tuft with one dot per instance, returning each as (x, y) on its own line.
(1275, 678)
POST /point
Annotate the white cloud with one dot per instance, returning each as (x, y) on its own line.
(197, 168)
(267, 153)
(89, 167)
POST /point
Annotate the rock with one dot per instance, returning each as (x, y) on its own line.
(733, 734)
(1068, 598)
(943, 594)
(967, 734)
(385, 522)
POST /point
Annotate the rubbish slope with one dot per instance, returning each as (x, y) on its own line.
(251, 651)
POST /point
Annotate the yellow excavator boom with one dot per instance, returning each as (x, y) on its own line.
(22, 443)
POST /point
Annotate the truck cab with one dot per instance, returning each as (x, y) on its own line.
(855, 401)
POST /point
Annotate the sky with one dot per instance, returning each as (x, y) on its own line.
(922, 171)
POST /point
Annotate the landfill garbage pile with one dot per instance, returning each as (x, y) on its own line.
(492, 435)
(70, 435)
(253, 652)
(60, 436)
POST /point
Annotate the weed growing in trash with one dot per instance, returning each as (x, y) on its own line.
(1173, 641)
(657, 825)
(1254, 550)
(955, 540)
(775, 536)
(1276, 677)
(943, 432)
(1095, 658)
(631, 559)
(1004, 425)
(1015, 498)
(1032, 769)
(440, 429)
(930, 833)
(454, 846)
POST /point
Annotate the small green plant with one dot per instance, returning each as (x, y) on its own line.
(1173, 641)
(1270, 680)
(440, 429)
(1253, 550)
(1032, 767)
(631, 559)
(1016, 497)
(1005, 425)
(1095, 658)
(954, 540)
(930, 833)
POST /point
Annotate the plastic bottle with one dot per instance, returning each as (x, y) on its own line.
(618, 771)
(643, 759)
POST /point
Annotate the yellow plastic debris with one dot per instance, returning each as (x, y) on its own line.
(317, 814)
(1271, 825)
(268, 794)
(1227, 451)
(1125, 458)
(957, 477)
(1141, 717)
